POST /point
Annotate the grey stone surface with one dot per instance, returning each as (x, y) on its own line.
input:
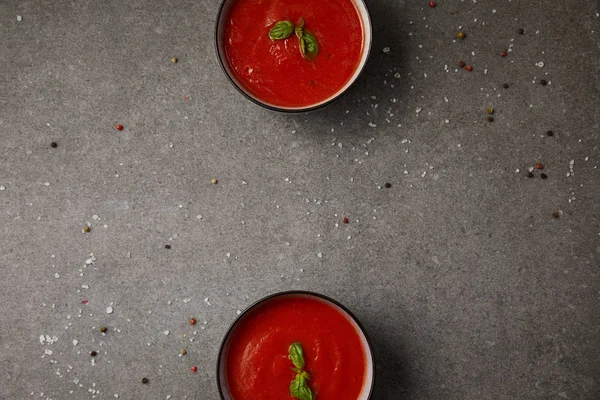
(467, 285)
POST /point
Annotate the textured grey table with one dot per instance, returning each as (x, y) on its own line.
(468, 285)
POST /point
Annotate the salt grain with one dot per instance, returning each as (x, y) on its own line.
(109, 310)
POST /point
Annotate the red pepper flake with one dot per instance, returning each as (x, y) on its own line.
(194, 369)
(539, 166)
(84, 301)
(346, 220)
(193, 321)
(469, 68)
(119, 127)
(502, 54)
(186, 98)
(432, 4)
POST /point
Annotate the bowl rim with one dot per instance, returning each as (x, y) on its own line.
(287, 293)
(366, 54)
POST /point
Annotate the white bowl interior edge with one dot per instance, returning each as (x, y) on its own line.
(366, 390)
(367, 31)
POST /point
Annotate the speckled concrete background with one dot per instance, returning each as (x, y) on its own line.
(467, 284)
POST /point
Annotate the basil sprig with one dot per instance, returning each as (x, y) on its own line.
(309, 47)
(299, 386)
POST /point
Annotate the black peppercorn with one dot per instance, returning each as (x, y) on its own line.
(145, 380)
(543, 82)
(550, 133)
(556, 214)
(168, 246)
(103, 329)
(521, 31)
(544, 176)
(93, 353)
(505, 86)
(491, 119)
(530, 174)
(388, 185)
(53, 144)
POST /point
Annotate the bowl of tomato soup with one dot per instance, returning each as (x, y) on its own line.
(293, 55)
(296, 345)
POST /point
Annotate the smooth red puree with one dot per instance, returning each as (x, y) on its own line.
(274, 70)
(258, 364)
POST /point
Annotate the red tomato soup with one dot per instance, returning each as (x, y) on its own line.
(258, 365)
(275, 71)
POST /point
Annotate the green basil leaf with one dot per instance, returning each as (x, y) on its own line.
(296, 352)
(300, 390)
(281, 30)
(312, 47)
(296, 384)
